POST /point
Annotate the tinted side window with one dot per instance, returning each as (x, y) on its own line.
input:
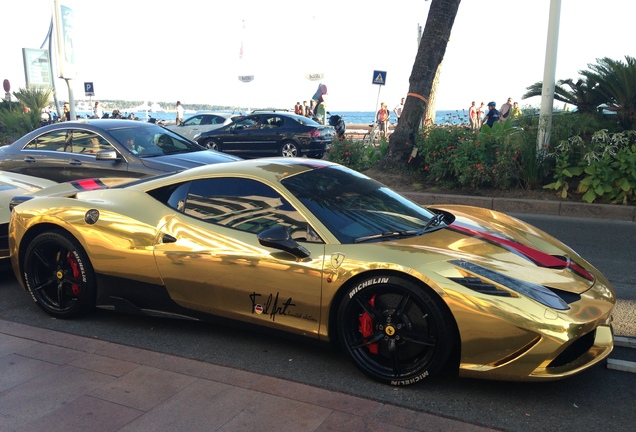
(241, 204)
(194, 121)
(88, 142)
(53, 141)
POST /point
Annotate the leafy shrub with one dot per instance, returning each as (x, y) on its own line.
(457, 157)
(355, 155)
(605, 167)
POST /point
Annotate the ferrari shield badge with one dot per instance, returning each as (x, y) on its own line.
(91, 216)
(337, 259)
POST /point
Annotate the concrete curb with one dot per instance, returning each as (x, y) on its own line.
(514, 205)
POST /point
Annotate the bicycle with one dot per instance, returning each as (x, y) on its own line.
(372, 137)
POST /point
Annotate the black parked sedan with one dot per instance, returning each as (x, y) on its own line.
(103, 148)
(270, 134)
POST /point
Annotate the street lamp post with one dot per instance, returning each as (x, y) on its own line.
(549, 72)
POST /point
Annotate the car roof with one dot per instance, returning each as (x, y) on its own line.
(95, 125)
(221, 114)
(270, 169)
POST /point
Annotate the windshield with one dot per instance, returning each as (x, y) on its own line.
(153, 141)
(356, 208)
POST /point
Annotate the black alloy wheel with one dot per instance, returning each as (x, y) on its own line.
(59, 275)
(395, 331)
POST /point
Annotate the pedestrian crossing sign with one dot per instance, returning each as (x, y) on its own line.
(379, 77)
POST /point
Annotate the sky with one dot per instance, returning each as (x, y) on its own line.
(188, 50)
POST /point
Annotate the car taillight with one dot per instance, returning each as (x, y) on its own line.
(314, 133)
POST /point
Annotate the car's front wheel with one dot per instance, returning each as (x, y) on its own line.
(289, 149)
(395, 331)
(213, 145)
(59, 275)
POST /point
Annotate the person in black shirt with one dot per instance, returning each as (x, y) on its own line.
(493, 114)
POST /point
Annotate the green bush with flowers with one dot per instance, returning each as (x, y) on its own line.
(589, 157)
(457, 157)
(355, 154)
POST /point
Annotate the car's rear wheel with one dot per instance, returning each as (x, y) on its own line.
(289, 149)
(59, 275)
(395, 331)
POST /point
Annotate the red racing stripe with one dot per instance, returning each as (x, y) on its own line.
(541, 259)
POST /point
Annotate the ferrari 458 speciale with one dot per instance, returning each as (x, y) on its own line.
(318, 250)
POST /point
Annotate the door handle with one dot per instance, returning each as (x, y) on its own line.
(29, 159)
(74, 162)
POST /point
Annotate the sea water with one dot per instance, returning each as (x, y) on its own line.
(351, 117)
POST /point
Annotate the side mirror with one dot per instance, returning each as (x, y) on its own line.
(278, 238)
(111, 155)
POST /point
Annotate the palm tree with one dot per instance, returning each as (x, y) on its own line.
(617, 83)
(15, 123)
(439, 23)
(582, 93)
(34, 99)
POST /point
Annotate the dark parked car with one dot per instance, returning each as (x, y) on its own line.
(103, 148)
(270, 134)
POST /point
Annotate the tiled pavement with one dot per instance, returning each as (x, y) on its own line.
(52, 381)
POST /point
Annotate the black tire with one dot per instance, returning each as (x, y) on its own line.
(59, 275)
(395, 331)
(289, 149)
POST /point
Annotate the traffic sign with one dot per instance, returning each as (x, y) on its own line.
(89, 89)
(379, 77)
(6, 85)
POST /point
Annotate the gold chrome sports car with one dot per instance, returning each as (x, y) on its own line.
(315, 249)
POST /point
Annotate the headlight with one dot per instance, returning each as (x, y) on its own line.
(488, 280)
(196, 137)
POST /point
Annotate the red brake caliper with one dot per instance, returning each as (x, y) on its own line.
(366, 327)
(76, 272)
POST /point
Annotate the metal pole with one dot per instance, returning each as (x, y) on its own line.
(71, 99)
(377, 101)
(549, 72)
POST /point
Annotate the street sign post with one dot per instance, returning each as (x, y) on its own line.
(89, 90)
(7, 88)
(379, 79)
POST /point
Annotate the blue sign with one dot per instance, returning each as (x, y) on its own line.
(379, 77)
(89, 89)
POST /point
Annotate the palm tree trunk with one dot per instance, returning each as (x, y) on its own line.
(430, 54)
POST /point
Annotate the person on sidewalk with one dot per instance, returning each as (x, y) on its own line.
(398, 109)
(493, 114)
(472, 115)
(382, 118)
(505, 110)
(179, 113)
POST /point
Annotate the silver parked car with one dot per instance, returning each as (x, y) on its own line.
(202, 122)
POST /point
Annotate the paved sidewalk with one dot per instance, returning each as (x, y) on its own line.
(52, 381)
(518, 205)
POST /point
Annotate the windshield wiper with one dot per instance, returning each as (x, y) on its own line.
(433, 222)
(386, 234)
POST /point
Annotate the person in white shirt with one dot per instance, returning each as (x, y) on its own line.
(179, 113)
(98, 112)
(398, 109)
